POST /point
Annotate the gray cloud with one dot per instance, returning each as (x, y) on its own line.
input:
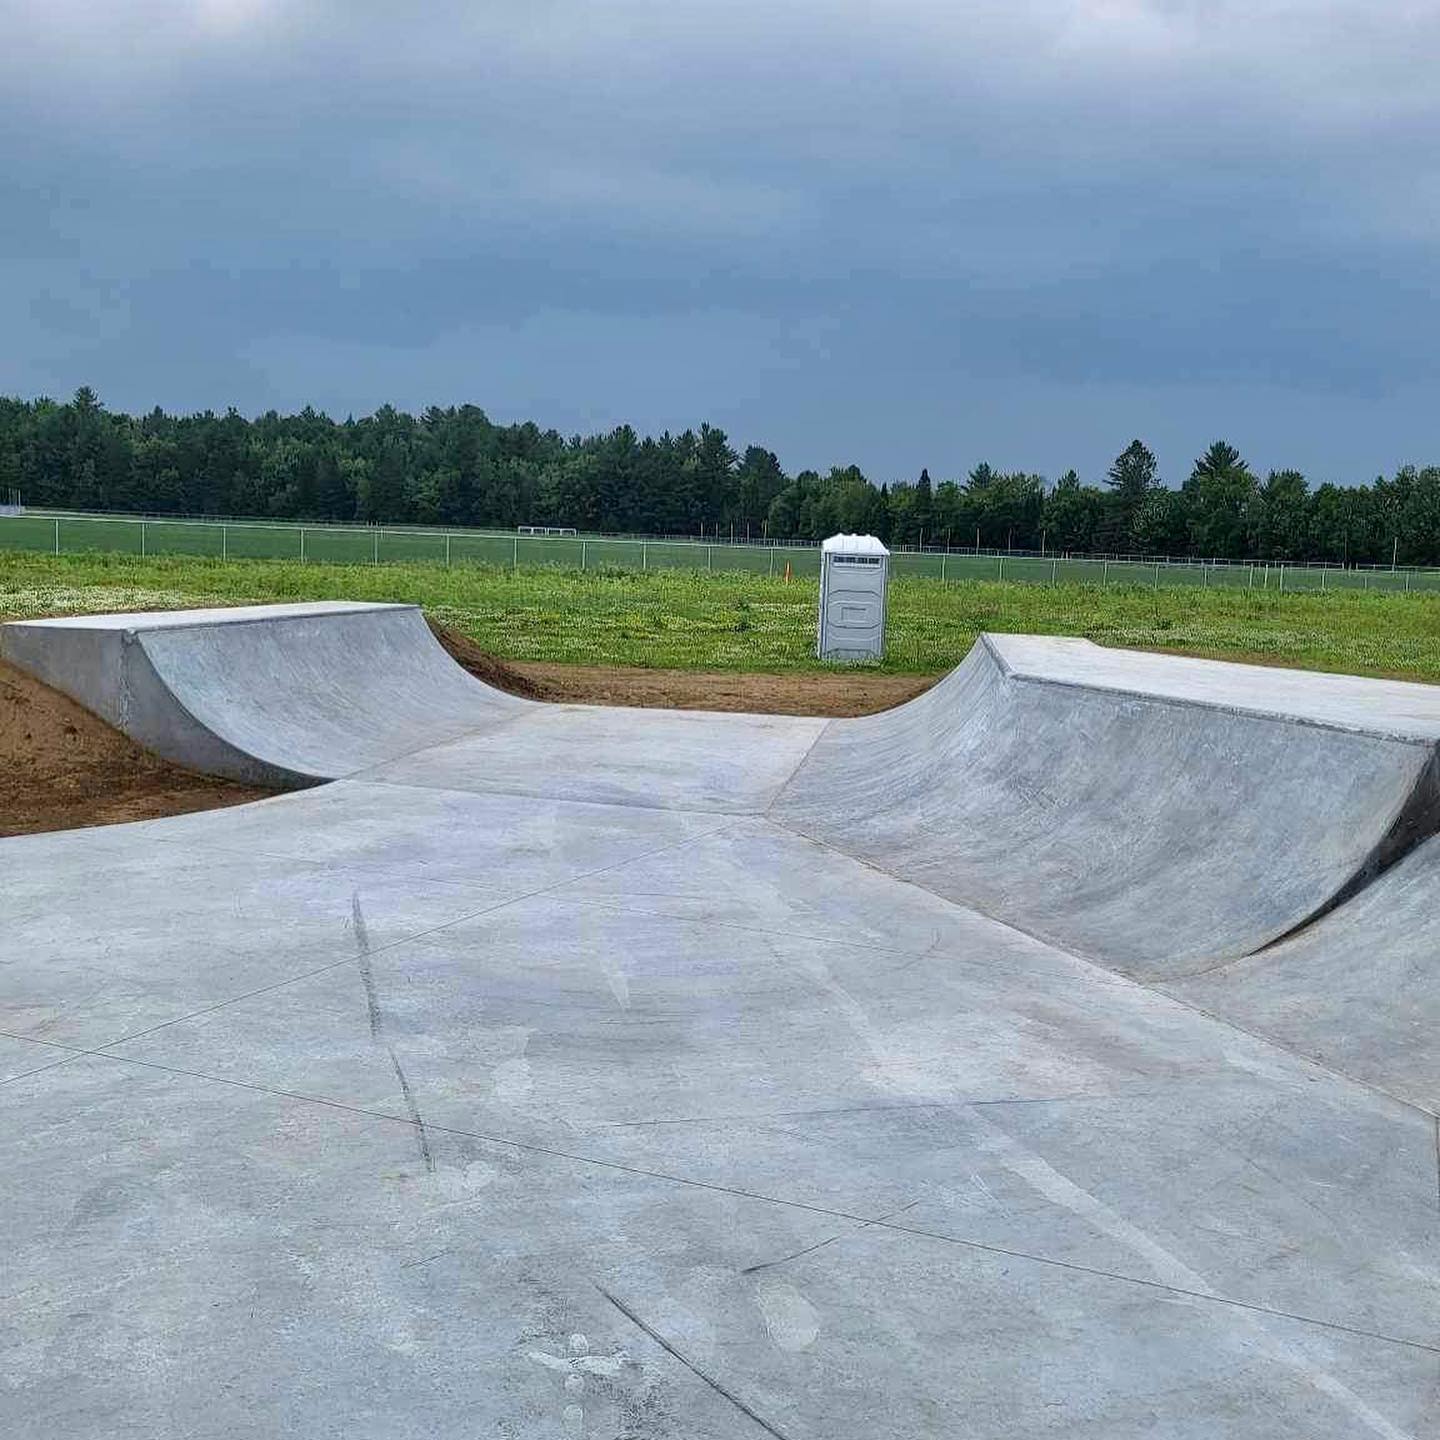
(907, 234)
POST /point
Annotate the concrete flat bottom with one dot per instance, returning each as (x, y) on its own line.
(549, 1081)
(405, 1107)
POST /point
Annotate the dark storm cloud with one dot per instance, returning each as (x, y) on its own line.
(907, 234)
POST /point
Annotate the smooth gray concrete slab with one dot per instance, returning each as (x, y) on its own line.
(642, 1077)
(443, 836)
(674, 759)
(237, 1263)
(719, 1056)
(101, 950)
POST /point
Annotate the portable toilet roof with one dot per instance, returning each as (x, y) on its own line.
(853, 545)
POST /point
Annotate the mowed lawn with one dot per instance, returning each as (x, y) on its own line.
(735, 621)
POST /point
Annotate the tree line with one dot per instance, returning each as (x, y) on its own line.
(454, 466)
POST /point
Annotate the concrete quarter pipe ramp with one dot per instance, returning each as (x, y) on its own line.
(1146, 810)
(270, 694)
(558, 1071)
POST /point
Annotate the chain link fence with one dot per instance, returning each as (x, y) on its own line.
(370, 545)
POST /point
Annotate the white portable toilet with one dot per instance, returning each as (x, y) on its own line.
(854, 576)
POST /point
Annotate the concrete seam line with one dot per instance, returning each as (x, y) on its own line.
(1370, 1085)
(800, 765)
(690, 1365)
(1119, 977)
(377, 949)
(653, 806)
(66, 1059)
(983, 1247)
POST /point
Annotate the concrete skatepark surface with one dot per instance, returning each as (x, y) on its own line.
(562, 1071)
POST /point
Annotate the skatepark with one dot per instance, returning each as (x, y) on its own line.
(1052, 1055)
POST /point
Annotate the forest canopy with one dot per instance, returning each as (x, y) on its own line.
(456, 467)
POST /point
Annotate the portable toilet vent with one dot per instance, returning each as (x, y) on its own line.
(854, 573)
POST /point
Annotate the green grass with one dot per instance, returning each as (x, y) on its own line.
(738, 621)
(366, 545)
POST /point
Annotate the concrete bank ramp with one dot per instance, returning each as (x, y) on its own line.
(270, 694)
(1154, 812)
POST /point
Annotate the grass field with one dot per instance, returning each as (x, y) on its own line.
(735, 621)
(68, 534)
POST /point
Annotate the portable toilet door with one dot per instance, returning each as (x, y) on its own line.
(854, 574)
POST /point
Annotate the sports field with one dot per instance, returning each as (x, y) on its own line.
(753, 622)
(53, 534)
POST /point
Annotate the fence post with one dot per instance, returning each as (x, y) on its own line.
(302, 544)
(1322, 579)
(1104, 573)
(943, 558)
(583, 544)
(447, 549)
(772, 562)
(515, 553)
(1157, 577)
(1281, 587)
(709, 557)
(142, 539)
(1407, 582)
(644, 556)
(224, 542)
(1000, 572)
(1054, 570)
(57, 535)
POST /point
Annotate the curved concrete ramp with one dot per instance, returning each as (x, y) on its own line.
(1359, 991)
(1150, 811)
(271, 694)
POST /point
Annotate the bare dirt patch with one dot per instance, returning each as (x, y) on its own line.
(819, 694)
(61, 768)
(830, 692)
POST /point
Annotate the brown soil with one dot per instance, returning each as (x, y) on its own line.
(820, 694)
(855, 692)
(61, 768)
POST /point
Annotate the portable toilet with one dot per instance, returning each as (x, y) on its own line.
(854, 573)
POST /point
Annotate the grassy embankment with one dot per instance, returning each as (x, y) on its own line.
(687, 620)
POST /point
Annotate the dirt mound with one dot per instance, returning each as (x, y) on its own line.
(61, 767)
(485, 666)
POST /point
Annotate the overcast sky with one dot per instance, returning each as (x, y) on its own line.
(899, 233)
